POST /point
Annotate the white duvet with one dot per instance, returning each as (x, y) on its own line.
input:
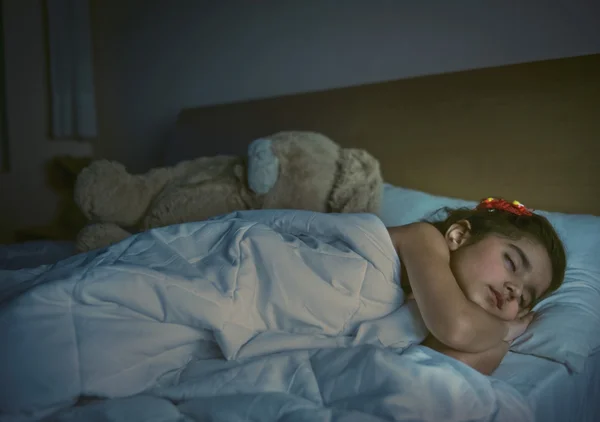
(258, 315)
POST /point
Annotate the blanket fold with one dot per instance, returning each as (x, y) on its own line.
(213, 309)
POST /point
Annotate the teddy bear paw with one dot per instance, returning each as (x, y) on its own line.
(99, 235)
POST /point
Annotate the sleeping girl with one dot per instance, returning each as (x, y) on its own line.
(117, 321)
(476, 276)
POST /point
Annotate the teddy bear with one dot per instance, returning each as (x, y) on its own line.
(287, 170)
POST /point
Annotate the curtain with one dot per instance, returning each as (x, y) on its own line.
(72, 102)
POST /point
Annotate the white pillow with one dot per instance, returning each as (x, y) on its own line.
(566, 328)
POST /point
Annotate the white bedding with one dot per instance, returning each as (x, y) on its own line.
(262, 315)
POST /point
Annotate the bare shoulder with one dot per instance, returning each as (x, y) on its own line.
(417, 234)
(399, 232)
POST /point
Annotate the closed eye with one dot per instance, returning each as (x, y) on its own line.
(511, 263)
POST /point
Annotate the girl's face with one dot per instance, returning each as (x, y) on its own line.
(503, 276)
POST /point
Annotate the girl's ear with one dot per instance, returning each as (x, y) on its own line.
(458, 234)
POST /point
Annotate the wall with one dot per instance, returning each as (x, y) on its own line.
(528, 131)
(24, 197)
(153, 59)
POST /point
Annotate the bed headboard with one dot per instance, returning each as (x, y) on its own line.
(529, 132)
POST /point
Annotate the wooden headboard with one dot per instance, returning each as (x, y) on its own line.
(529, 132)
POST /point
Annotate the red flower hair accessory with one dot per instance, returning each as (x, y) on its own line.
(498, 204)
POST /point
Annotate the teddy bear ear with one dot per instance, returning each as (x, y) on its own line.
(263, 166)
(359, 183)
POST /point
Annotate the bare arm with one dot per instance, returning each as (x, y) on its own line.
(485, 362)
(450, 317)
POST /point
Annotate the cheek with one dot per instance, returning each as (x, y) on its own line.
(487, 272)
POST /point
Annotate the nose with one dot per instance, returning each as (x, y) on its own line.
(514, 289)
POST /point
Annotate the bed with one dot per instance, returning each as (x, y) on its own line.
(527, 132)
(524, 131)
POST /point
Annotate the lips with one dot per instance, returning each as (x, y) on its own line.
(498, 298)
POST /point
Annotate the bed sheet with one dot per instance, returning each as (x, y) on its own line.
(34, 253)
(555, 394)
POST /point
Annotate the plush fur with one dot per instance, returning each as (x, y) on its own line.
(310, 172)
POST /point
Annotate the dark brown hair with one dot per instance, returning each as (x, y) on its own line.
(536, 227)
